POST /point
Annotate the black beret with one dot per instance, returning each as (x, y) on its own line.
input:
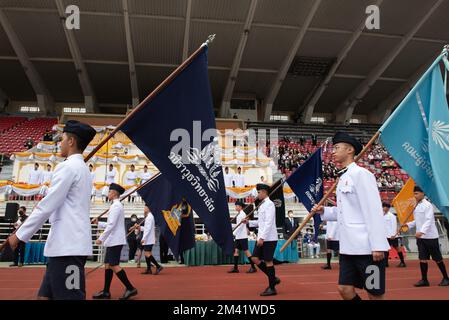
(84, 131)
(346, 138)
(262, 186)
(386, 204)
(117, 187)
(417, 189)
(240, 203)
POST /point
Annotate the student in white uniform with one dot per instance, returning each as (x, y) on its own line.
(92, 176)
(362, 232)
(267, 238)
(427, 239)
(110, 178)
(131, 180)
(332, 243)
(241, 239)
(228, 177)
(35, 175)
(67, 206)
(114, 238)
(148, 240)
(392, 229)
(45, 180)
(239, 179)
(145, 175)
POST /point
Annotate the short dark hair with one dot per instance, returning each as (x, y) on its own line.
(386, 205)
(36, 163)
(24, 208)
(290, 211)
(80, 144)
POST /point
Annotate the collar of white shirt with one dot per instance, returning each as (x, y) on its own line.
(76, 155)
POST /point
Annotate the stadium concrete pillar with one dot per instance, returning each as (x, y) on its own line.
(185, 46)
(232, 78)
(277, 84)
(44, 99)
(344, 112)
(309, 106)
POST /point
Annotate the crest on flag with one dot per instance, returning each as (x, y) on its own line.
(175, 214)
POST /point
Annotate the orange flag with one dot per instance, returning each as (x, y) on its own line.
(405, 202)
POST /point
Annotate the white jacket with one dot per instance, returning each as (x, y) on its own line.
(241, 232)
(266, 221)
(424, 220)
(332, 230)
(149, 232)
(359, 213)
(67, 205)
(391, 224)
(114, 233)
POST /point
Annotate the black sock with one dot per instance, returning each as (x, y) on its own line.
(329, 257)
(424, 267)
(401, 256)
(148, 261)
(356, 298)
(236, 262)
(387, 254)
(442, 268)
(108, 274)
(124, 279)
(252, 263)
(152, 259)
(271, 273)
(262, 266)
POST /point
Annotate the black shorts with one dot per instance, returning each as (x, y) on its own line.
(429, 248)
(266, 251)
(148, 247)
(333, 245)
(393, 242)
(112, 256)
(64, 279)
(241, 244)
(361, 271)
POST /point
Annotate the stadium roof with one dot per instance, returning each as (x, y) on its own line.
(300, 56)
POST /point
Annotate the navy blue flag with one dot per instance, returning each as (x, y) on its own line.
(177, 132)
(307, 183)
(172, 214)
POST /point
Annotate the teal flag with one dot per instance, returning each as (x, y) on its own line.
(417, 135)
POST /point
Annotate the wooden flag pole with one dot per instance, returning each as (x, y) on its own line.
(327, 195)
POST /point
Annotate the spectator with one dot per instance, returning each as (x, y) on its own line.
(29, 143)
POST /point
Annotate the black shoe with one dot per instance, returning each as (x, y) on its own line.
(234, 270)
(422, 283)
(268, 292)
(147, 271)
(251, 270)
(387, 265)
(158, 270)
(444, 282)
(277, 281)
(20, 265)
(402, 265)
(326, 267)
(128, 294)
(102, 295)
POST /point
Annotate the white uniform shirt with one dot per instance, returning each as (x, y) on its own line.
(130, 178)
(46, 177)
(149, 232)
(391, 224)
(93, 176)
(228, 179)
(266, 221)
(67, 205)
(241, 232)
(359, 213)
(145, 176)
(110, 176)
(35, 177)
(239, 180)
(332, 230)
(424, 220)
(114, 233)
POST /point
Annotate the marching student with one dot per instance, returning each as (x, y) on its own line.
(266, 238)
(427, 239)
(67, 206)
(113, 238)
(362, 233)
(241, 239)
(332, 243)
(148, 240)
(392, 229)
(20, 250)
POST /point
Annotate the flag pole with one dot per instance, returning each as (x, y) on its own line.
(152, 95)
(328, 194)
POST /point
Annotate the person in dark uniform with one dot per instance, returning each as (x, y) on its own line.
(164, 249)
(67, 206)
(20, 250)
(290, 225)
(114, 238)
(266, 238)
(132, 237)
(427, 239)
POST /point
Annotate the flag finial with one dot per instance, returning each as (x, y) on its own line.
(209, 40)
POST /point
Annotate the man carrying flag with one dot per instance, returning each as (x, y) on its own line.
(427, 239)
(363, 238)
